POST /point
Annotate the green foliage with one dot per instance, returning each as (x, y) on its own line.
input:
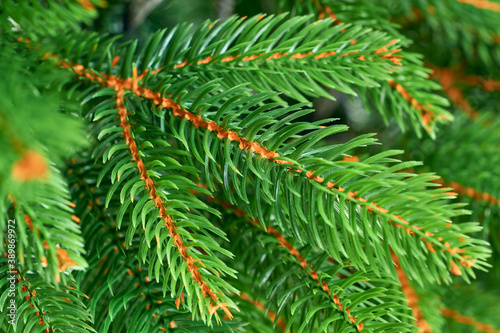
(34, 19)
(181, 183)
(29, 94)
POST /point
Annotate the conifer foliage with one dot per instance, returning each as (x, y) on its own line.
(183, 182)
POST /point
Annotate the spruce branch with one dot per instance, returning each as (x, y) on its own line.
(120, 85)
(291, 232)
(476, 39)
(478, 141)
(450, 245)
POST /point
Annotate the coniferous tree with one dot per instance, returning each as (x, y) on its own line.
(188, 177)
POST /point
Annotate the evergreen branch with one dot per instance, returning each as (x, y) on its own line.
(283, 242)
(428, 114)
(478, 141)
(330, 51)
(372, 207)
(412, 297)
(345, 11)
(120, 86)
(454, 25)
(325, 56)
(273, 156)
(169, 222)
(247, 145)
(464, 190)
(240, 213)
(387, 54)
(470, 321)
(321, 240)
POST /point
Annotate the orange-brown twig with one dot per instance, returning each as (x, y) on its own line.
(459, 318)
(470, 192)
(488, 85)
(280, 323)
(483, 4)
(412, 297)
(446, 78)
(169, 223)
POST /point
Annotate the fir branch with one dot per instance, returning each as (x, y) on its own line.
(454, 25)
(367, 319)
(120, 86)
(115, 276)
(316, 275)
(478, 141)
(244, 144)
(345, 11)
(169, 223)
(329, 234)
(429, 112)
